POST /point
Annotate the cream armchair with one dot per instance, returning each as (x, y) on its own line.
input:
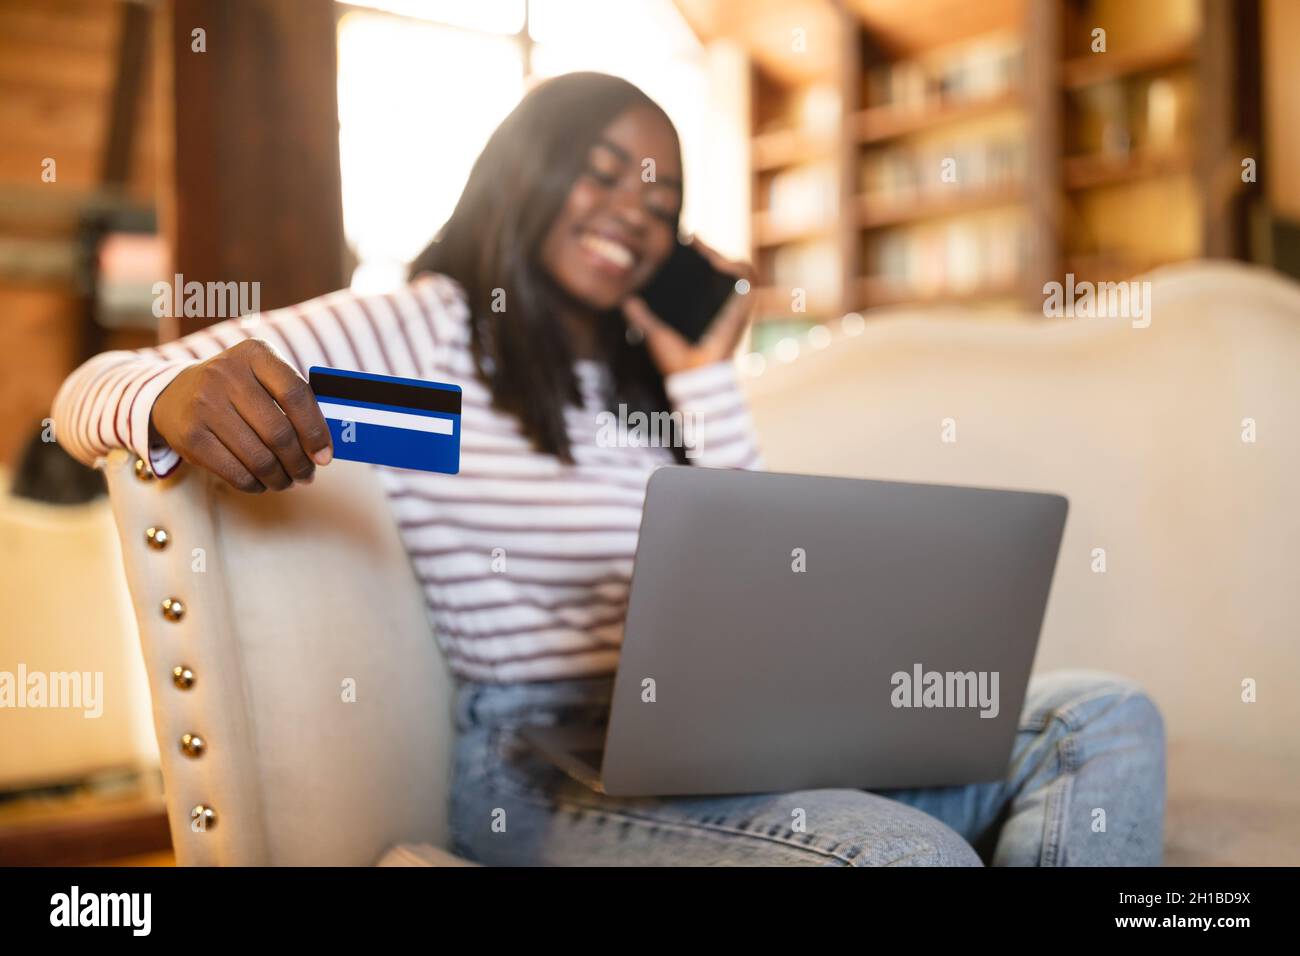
(302, 709)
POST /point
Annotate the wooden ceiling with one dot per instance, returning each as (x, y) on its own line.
(58, 63)
(904, 27)
(765, 28)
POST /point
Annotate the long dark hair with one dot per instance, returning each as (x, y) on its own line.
(493, 241)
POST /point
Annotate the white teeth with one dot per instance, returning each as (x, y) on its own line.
(613, 252)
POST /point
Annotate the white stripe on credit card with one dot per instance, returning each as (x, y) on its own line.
(381, 416)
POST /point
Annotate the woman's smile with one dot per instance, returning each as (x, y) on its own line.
(607, 253)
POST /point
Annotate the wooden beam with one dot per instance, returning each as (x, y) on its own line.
(257, 195)
(1228, 92)
(132, 50)
(1044, 45)
(850, 82)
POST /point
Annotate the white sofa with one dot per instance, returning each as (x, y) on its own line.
(1142, 429)
(65, 611)
(1139, 427)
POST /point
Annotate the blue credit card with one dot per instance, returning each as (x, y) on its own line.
(399, 422)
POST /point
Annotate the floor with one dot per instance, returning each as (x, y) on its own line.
(114, 820)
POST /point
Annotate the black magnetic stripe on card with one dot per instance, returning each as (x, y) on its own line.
(444, 400)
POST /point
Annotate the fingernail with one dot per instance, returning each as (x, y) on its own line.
(324, 456)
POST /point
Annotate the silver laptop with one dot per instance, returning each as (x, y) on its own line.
(787, 632)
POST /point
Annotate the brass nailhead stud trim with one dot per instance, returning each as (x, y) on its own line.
(142, 470)
(192, 745)
(182, 677)
(157, 538)
(202, 818)
(173, 609)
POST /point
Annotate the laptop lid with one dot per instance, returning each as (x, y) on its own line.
(793, 631)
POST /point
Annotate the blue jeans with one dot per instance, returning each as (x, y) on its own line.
(1085, 787)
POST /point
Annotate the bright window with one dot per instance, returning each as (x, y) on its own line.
(417, 101)
(492, 16)
(423, 83)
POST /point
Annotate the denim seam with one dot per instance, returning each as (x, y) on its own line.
(694, 826)
(649, 823)
(1066, 714)
(927, 848)
(496, 779)
(1058, 802)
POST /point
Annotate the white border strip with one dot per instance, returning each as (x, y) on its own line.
(380, 416)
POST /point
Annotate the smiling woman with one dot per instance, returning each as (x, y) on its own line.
(557, 223)
(524, 302)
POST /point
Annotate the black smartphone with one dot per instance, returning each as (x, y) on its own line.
(687, 291)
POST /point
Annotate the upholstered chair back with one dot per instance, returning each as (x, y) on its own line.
(301, 705)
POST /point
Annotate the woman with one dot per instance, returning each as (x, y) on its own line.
(528, 301)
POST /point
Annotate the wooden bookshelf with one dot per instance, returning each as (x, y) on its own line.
(1207, 65)
(875, 214)
(875, 293)
(794, 164)
(768, 234)
(918, 106)
(788, 147)
(1089, 68)
(878, 124)
(1091, 171)
(1082, 125)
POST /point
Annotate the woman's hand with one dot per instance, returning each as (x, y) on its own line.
(246, 416)
(673, 352)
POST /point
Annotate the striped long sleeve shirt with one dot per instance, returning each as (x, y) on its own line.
(525, 561)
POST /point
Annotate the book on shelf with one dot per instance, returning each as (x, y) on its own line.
(902, 174)
(812, 268)
(802, 197)
(959, 257)
(977, 70)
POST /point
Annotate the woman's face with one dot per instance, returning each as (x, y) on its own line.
(618, 224)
